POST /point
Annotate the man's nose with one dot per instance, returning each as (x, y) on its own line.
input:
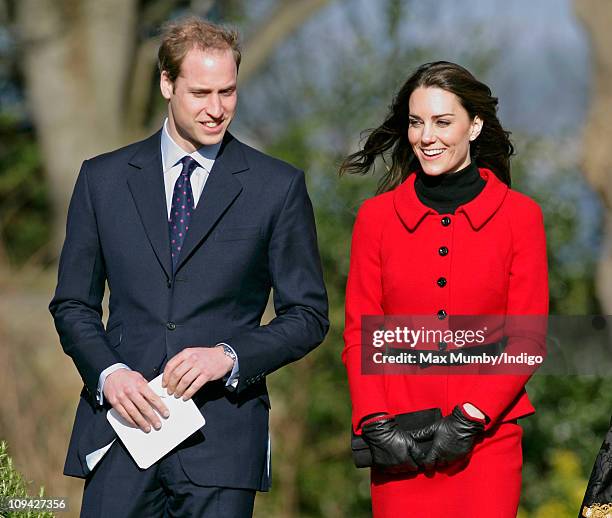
(213, 107)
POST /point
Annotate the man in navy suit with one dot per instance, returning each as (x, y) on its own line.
(191, 229)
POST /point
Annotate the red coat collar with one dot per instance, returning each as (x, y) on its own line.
(478, 211)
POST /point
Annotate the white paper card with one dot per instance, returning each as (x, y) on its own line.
(147, 448)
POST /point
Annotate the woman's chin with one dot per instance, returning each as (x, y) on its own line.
(433, 171)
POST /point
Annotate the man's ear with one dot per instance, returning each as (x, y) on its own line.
(166, 85)
(476, 128)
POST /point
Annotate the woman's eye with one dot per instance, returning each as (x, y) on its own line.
(443, 123)
(414, 122)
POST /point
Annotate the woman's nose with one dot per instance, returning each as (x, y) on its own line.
(428, 136)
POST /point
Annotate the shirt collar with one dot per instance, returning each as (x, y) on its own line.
(172, 153)
(478, 211)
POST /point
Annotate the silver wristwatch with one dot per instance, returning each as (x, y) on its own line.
(227, 350)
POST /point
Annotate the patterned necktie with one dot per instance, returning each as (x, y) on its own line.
(182, 207)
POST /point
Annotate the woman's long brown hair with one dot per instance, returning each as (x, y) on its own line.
(491, 149)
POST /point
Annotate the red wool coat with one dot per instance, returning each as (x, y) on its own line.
(494, 263)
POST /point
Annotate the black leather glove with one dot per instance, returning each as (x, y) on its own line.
(453, 438)
(393, 450)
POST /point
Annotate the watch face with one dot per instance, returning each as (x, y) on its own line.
(229, 352)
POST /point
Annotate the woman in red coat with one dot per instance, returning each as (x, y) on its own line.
(445, 236)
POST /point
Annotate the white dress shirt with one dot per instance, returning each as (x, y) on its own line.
(172, 154)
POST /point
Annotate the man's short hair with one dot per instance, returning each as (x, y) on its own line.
(179, 37)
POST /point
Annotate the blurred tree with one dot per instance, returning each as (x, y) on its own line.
(89, 67)
(24, 212)
(596, 157)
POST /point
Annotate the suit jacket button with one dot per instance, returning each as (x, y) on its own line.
(442, 314)
(171, 326)
(441, 282)
(446, 221)
(443, 251)
(169, 284)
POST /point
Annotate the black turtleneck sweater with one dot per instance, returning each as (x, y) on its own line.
(445, 192)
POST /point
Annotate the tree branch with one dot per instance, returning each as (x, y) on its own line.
(288, 17)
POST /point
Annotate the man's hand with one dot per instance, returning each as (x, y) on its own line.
(190, 369)
(453, 438)
(129, 394)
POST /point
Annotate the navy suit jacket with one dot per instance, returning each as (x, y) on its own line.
(253, 229)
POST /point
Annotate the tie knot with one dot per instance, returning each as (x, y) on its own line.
(189, 165)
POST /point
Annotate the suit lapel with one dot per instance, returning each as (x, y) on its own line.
(146, 183)
(220, 191)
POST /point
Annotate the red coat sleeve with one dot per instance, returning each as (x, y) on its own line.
(363, 297)
(527, 308)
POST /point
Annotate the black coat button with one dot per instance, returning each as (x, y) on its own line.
(441, 282)
(171, 326)
(443, 251)
(446, 221)
(169, 284)
(442, 346)
(442, 314)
